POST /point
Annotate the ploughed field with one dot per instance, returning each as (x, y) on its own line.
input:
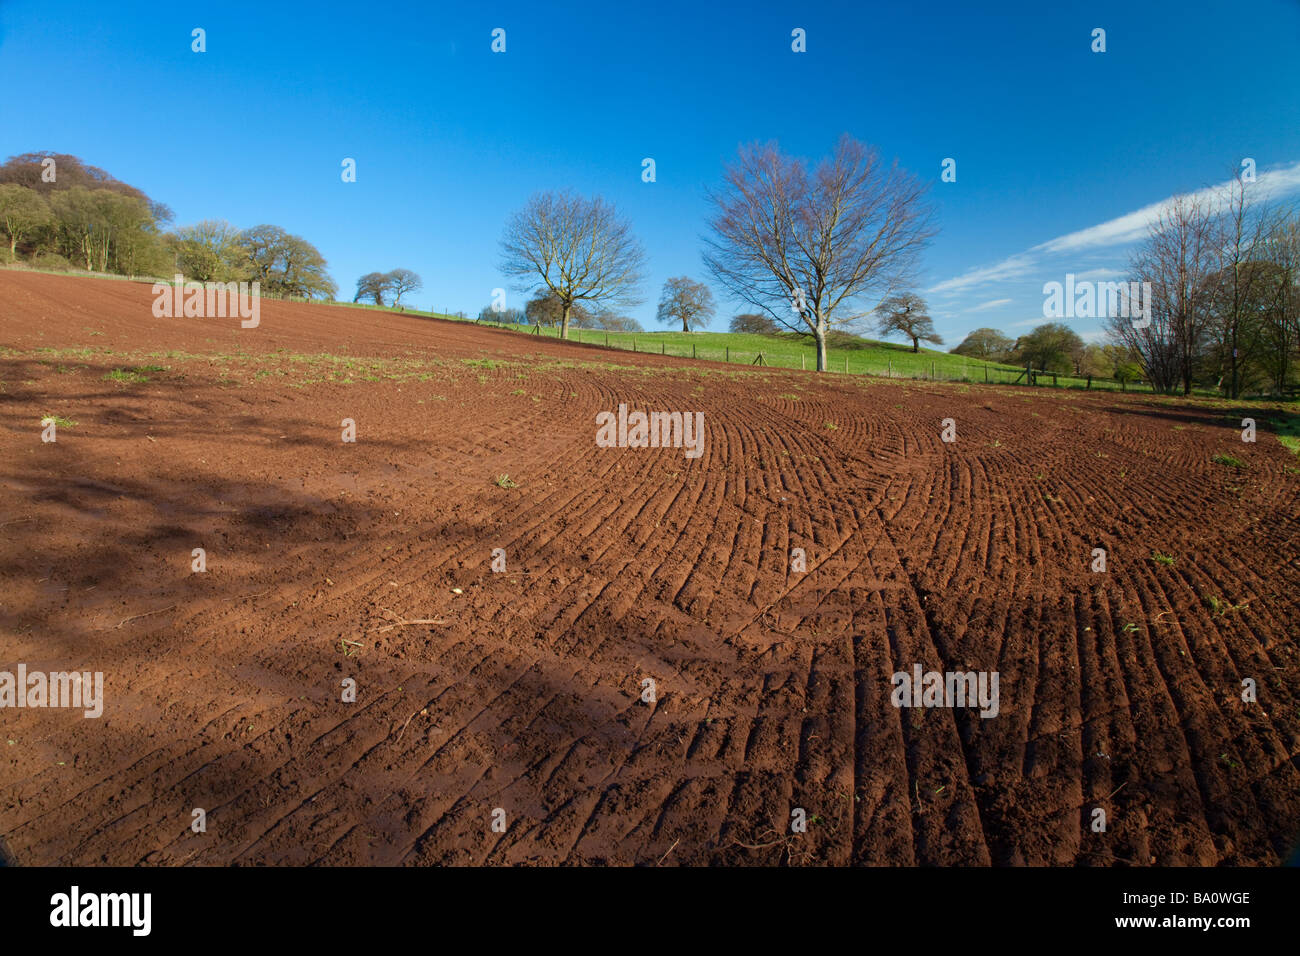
(648, 681)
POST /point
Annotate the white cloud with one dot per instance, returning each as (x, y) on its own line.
(993, 304)
(1099, 275)
(1014, 267)
(1122, 230)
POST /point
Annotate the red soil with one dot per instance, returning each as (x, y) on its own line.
(1118, 690)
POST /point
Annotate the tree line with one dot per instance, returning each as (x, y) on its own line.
(1223, 268)
(1224, 273)
(1053, 347)
(59, 212)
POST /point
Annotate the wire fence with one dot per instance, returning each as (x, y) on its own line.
(842, 361)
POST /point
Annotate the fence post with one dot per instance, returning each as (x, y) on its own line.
(634, 345)
(803, 364)
(728, 358)
(986, 374)
(932, 370)
(663, 348)
(846, 365)
(692, 350)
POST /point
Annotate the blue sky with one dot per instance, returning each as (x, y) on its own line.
(1054, 144)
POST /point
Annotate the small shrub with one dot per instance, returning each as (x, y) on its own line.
(53, 261)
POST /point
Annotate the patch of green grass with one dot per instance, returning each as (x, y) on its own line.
(1221, 607)
(793, 350)
(124, 376)
(1229, 461)
(58, 420)
(1164, 559)
(505, 481)
(1286, 426)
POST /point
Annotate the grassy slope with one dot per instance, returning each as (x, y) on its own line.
(786, 350)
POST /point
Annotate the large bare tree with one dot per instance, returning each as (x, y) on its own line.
(806, 246)
(686, 301)
(1178, 257)
(577, 249)
(1241, 286)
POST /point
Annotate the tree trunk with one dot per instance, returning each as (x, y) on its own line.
(1236, 387)
(819, 333)
(685, 325)
(916, 344)
(564, 322)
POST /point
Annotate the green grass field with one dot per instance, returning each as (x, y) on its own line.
(849, 354)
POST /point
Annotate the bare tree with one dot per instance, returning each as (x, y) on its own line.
(576, 248)
(1177, 258)
(805, 246)
(402, 281)
(907, 314)
(1281, 295)
(686, 301)
(1239, 283)
(372, 286)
